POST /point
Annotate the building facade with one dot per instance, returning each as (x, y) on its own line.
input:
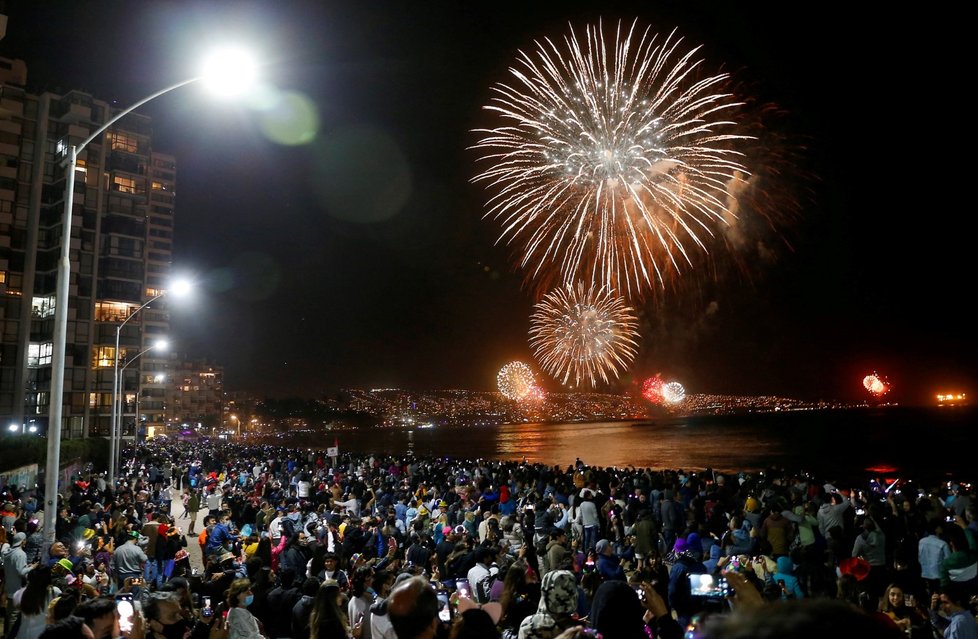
(120, 253)
(195, 397)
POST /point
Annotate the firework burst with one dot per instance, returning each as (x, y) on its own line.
(613, 161)
(583, 334)
(652, 389)
(516, 380)
(876, 385)
(673, 393)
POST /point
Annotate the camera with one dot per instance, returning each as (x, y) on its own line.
(709, 586)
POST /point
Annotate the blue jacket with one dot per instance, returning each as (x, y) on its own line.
(609, 567)
(786, 573)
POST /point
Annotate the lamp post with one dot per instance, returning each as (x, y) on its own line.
(59, 345)
(179, 287)
(117, 401)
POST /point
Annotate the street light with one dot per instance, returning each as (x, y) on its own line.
(116, 449)
(180, 287)
(59, 345)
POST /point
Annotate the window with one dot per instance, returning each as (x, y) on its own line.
(42, 307)
(159, 186)
(111, 311)
(39, 354)
(104, 356)
(123, 184)
(122, 141)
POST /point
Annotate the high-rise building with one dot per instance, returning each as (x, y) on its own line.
(195, 394)
(120, 254)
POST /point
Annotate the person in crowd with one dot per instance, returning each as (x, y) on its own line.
(101, 615)
(902, 609)
(128, 560)
(608, 564)
(680, 593)
(32, 601)
(71, 627)
(520, 596)
(241, 624)
(15, 570)
(557, 607)
(950, 615)
(303, 608)
(328, 619)
(361, 595)
(164, 616)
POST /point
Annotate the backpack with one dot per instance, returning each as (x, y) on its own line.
(483, 588)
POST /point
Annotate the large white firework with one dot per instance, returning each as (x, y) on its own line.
(583, 334)
(516, 381)
(613, 162)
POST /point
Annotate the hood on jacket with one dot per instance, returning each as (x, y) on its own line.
(786, 566)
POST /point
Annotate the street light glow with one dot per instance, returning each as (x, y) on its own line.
(180, 287)
(229, 71)
(160, 345)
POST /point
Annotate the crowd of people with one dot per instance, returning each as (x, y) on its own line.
(281, 542)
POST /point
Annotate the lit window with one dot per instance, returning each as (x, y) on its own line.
(124, 184)
(42, 307)
(111, 311)
(104, 356)
(158, 186)
(122, 141)
(39, 354)
(154, 292)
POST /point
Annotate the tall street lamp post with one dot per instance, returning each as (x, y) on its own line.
(178, 288)
(117, 399)
(70, 153)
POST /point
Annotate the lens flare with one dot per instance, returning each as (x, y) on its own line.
(583, 334)
(515, 381)
(613, 160)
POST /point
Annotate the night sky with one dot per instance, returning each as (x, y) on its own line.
(361, 259)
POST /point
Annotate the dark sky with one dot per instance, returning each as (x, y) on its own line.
(305, 290)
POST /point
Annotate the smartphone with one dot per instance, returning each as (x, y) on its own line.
(640, 592)
(709, 586)
(207, 610)
(462, 586)
(137, 581)
(444, 609)
(123, 604)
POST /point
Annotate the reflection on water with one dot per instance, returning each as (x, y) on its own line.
(827, 442)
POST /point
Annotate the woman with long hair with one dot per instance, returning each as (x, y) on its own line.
(328, 621)
(520, 598)
(899, 606)
(264, 552)
(361, 593)
(33, 600)
(241, 623)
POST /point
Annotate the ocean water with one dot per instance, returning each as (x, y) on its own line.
(932, 444)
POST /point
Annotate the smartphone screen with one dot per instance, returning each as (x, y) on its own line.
(207, 611)
(708, 586)
(462, 585)
(444, 609)
(126, 611)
